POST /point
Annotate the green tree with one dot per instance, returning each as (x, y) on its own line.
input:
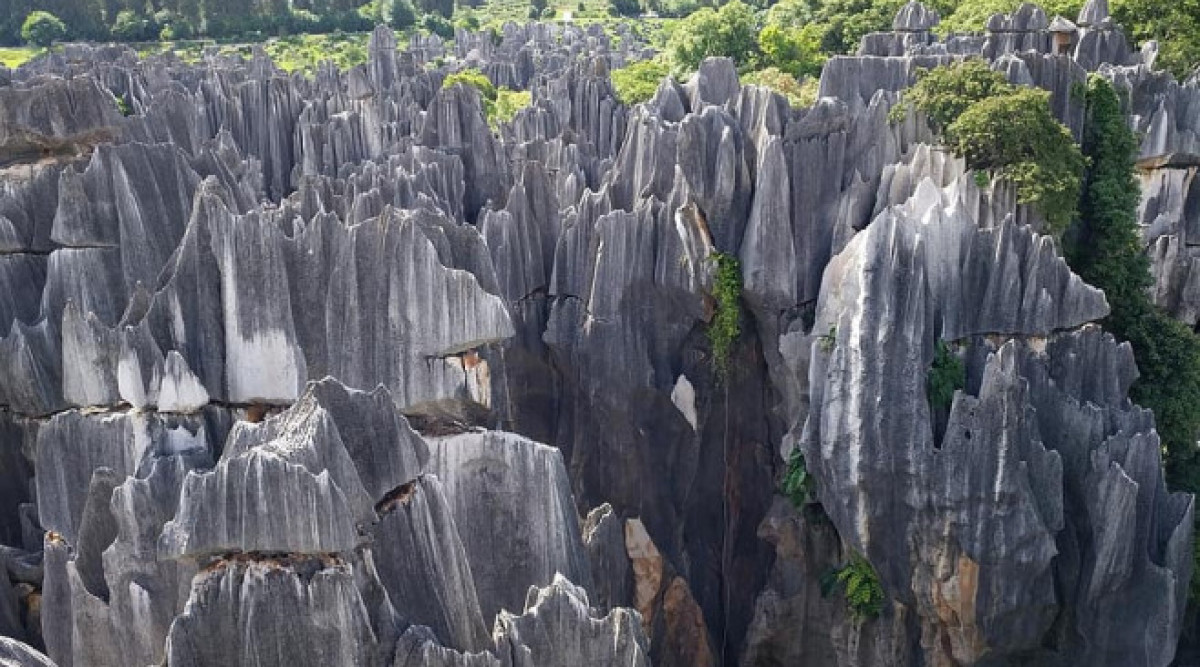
(972, 15)
(729, 31)
(842, 23)
(131, 26)
(1175, 24)
(637, 82)
(796, 51)
(944, 93)
(1017, 137)
(624, 7)
(83, 18)
(1109, 255)
(42, 29)
(403, 15)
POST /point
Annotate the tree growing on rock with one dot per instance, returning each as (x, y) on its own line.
(1109, 255)
(944, 93)
(1006, 130)
(1017, 137)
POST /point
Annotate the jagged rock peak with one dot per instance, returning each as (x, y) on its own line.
(1093, 14)
(558, 629)
(915, 17)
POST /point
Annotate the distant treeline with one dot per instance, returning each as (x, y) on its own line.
(152, 20)
(838, 24)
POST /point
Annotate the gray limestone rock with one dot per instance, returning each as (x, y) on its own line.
(995, 439)
(424, 566)
(15, 654)
(557, 628)
(604, 539)
(57, 115)
(245, 232)
(259, 501)
(511, 500)
(308, 606)
(915, 17)
(417, 647)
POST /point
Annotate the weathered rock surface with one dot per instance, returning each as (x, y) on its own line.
(558, 629)
(16, 654)
(326, 370)
(511, 499)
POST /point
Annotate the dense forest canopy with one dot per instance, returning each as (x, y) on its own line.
(792, 29)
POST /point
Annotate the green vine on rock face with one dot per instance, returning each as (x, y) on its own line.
(797, 483)
(946, 376)
(725, 326)
(829, 340)
(860, 583)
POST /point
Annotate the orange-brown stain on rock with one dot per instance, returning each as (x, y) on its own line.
(256, 412)
(686, 632)
(954, 599)
(647, 565)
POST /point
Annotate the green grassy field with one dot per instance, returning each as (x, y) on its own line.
(15, 56)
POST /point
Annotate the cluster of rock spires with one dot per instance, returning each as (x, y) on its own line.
(325, 371)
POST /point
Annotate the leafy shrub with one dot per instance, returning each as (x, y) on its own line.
(797, 484)
(508, 103)
(829, 340)
(800, 93)
(123, 106)
(474, 78)
(946, 376)
(637, 82)
(443, 8)
(864, 594)
(724, 328)
(42, 29)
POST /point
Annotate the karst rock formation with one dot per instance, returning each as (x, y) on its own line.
(327, 371)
